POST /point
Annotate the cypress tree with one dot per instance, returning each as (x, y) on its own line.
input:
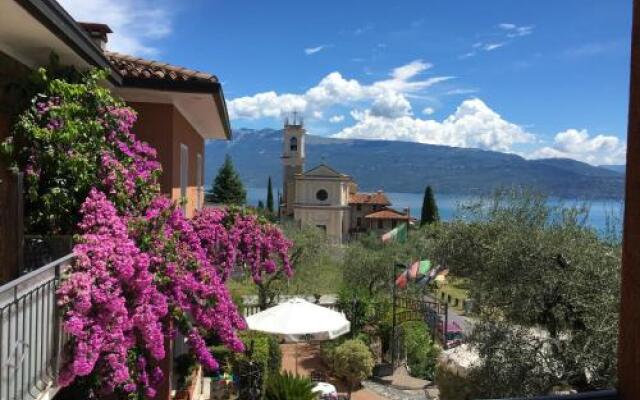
(260, 205)
(269, 196)
(227, 187)
(429, 208)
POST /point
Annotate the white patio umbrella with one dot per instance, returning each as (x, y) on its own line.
(300, 317)
(297, 317)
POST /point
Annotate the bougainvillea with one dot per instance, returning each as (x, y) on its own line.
(143, 270)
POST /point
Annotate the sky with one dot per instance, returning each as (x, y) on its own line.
(541, 78)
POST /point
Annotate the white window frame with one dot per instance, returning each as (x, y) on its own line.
(184, 173)
(199, 180)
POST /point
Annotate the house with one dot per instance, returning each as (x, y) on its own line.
(327, 199)
(178, 109)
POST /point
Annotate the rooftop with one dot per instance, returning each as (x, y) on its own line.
(140, 68)
(369, 198)
(388, 213)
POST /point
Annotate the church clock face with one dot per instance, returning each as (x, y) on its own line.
(322, 195)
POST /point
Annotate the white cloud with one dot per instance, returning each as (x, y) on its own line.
(336, 119)
(334, 89)
(492, 46)
(579, 145)
(313, 50)
(521, 31)
(515, 30)
(391, 105)
(136, 24)
(428, 110)
(507, 33)
(473, 124)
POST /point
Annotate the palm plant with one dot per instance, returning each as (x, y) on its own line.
(288, 386)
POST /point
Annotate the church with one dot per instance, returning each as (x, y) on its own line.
(328, 199)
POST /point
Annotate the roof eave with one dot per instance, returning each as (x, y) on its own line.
(193, 86)
(60, 23)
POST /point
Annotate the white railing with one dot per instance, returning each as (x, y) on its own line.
(30, 335)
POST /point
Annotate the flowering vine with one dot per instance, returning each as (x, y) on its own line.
(142, 270)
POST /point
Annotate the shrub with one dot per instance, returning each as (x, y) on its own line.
(287, 386)
(353, 361)
(422, 354)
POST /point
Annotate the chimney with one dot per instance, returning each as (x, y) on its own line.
(97, 33)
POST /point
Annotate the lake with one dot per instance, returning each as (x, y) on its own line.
(600, 210)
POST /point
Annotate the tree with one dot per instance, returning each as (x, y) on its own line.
(269, 196)
(353, 362)
(429, 208)
(547, 290)
(227, 187)
(310, 257)
(260, 205)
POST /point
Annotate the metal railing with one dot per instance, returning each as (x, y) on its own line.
(597, 395)
(30, 335)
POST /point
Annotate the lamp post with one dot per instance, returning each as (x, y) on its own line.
(393, 311)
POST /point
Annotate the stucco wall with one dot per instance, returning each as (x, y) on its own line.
(184, 133)
(306, 190)
(330, 218)
(164, 127)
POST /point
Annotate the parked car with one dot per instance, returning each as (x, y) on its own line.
(454, 337)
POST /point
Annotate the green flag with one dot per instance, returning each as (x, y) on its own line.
(399, 234)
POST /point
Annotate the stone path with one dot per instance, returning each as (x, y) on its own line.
(391, 393)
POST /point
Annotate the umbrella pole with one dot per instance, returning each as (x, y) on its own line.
(296, 350)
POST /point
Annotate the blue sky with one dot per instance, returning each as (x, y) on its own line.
(538, 78)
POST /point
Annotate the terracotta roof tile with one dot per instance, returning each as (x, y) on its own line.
(369, 198)
(136, 67)
(388, 213)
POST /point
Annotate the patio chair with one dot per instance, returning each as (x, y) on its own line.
(318, 376)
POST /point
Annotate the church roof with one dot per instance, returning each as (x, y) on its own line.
(388, 213)
(369, 198)
(325, 171)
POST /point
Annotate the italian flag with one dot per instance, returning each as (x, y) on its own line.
(398, 234)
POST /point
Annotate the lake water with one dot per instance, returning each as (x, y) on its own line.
(600, 210)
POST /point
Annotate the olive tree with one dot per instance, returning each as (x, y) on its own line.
(547, 288)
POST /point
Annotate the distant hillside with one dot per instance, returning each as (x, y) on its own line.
(408, 167)
(618, 168)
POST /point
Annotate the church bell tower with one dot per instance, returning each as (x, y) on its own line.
(292, 160)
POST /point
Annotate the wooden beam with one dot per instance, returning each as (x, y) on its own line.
(629, 336)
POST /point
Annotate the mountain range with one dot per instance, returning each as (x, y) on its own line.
(408, 167)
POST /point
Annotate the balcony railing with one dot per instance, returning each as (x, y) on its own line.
(598, 395)
(30, 339)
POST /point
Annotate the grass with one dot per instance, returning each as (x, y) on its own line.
(321, 278)
(454, 287)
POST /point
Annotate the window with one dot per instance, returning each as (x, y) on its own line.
(380, 224)
(359, 207)
(322, 195)
(199, 181)
(323, 228)
(293, 144)
(359, 222)
(184, 172)
(393, 223)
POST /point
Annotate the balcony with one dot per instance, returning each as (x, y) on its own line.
(30, 336)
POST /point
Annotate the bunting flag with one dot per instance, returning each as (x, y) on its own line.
(402, 279)
(419, 268)
(424, 281)
(418, 271)
(399, 234)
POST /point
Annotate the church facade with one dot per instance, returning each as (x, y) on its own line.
(327, 199)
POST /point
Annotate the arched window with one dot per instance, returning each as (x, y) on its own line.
(293, 144)
(322, 195)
